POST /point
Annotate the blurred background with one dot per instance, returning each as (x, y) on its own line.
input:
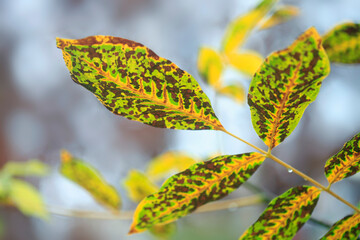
(42, 110)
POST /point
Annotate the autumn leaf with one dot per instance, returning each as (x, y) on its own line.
(239, 29)
(210, 66)
(245, 61)
(235, 91)
(201, 183)
(138, 185)
(285, 215)
(345, 163)
(346, 228)
(132, 81)
(282, 14)
(285, 84)
(90, 179)
(342, 43)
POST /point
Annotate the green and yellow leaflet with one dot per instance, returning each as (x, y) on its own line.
(91, 180)
(282, 14)
(345, 163)
(346, 228)
(168, 163)
(285, 84)
(239, 29)
(139, 186)
(29, 168)
(201, 183)
(210, 66)
(245, 61)
(285, 215)
(130, 80)
(342, 43)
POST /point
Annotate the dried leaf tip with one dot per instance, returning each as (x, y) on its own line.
(65, 156)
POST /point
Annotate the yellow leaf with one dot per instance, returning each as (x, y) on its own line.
(27, 199)
(235, 91)
(139, 186)
(167, 163)
(281, 15)
(210, 66)
(30, 168)
(247, 62)
(90, 179)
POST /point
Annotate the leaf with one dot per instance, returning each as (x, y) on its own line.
(285, 215)
(247, 61)
(235, 91)
(239, 29)
(210, 66)
(345, 163)
(168, 163)
(27, 199)
(30, 168)
(285, 84)
(201, 183)
(90, 179)
(282, 14)
(163, 231)
(342, 43)
(139, 186)
(346, 228)
(132, 81)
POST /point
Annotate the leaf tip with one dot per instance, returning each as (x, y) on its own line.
(61, 43)
(133, 229)
(65, 156)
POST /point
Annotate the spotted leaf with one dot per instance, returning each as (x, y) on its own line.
(210, 66)
(285, 215)
(342, 43)
(285, 84)
(90, 179)
(201, 183)
(168, 163)
(282, 14)
(234, 91)
(346, 228)
(345, 163)
(246, 61)
(132, 81)
(139, 186)
(239, 29)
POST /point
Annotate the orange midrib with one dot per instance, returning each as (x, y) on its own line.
(351, 161)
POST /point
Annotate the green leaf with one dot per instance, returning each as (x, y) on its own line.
(342, 43)
(345, 163)
(239, 29)
(346, 228)
(163, 231)
(27, 199)
(210, 66)
(139, 186)
(132, 81)
(30, 168)
(168, 163)
(235, 91)
(246, 61)
(285, 215)
(201, 183)
(282, 14)
(285, 84)
(90, 179)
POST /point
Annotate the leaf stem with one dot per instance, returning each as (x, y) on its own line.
(301, 174)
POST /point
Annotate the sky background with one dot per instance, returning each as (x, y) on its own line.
(43, 111)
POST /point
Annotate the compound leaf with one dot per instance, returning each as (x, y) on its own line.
(282, 14)
(201, 183)
(285, 215)
(342, 43)
(239, 29)
(168, 163)
(234, 91)
(90, 179)
(139, 186)
(285, 84)
(210, 66)
(27, 199)
(132, 81)
(345, 163)
(30, 168)
(346, 228)
(247, 61)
